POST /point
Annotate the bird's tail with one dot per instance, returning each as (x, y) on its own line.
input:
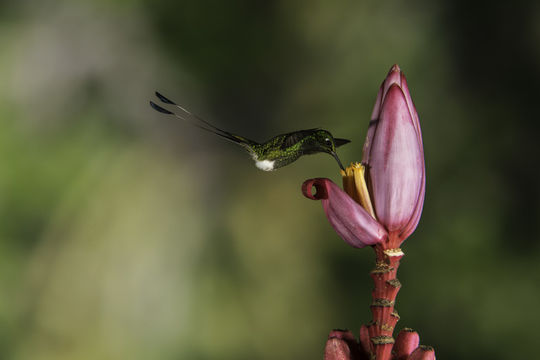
(200, 122)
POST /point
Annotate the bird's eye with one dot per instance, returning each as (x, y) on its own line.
(328, 141)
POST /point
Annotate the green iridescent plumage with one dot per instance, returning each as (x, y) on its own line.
(277, 152)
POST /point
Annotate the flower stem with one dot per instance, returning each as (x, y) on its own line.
(384, 295)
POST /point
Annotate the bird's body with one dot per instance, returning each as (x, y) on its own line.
(275, 153)
(284, 149)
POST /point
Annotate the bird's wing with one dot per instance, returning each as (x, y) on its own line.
(295, 137)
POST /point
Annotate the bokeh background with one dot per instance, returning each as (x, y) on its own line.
(125, 234)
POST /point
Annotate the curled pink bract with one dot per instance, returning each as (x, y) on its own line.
(352, 223)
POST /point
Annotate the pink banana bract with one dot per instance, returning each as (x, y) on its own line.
(393, 160)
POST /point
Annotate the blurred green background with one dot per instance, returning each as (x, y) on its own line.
(129, 235)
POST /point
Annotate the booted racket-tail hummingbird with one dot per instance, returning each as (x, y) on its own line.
(277, 152)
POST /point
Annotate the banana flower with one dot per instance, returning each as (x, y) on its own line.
(383, 196)
(380, 205)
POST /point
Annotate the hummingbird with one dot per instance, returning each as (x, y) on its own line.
(273, 154)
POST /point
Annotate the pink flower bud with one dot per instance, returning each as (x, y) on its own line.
(352, 223)
(384, 195)
(406, 342)
(366, 346)
(342, 345)
(422, 353)
(394, 157)
(337, 349)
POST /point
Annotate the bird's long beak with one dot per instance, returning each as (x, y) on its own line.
(339, 142)
(334, 154)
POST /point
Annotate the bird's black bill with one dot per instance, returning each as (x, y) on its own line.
(339, 142)
(337, 159)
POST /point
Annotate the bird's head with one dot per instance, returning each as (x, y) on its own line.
(325, 142)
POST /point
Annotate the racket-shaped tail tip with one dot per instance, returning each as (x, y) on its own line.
(164, 99)
(160, 109)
